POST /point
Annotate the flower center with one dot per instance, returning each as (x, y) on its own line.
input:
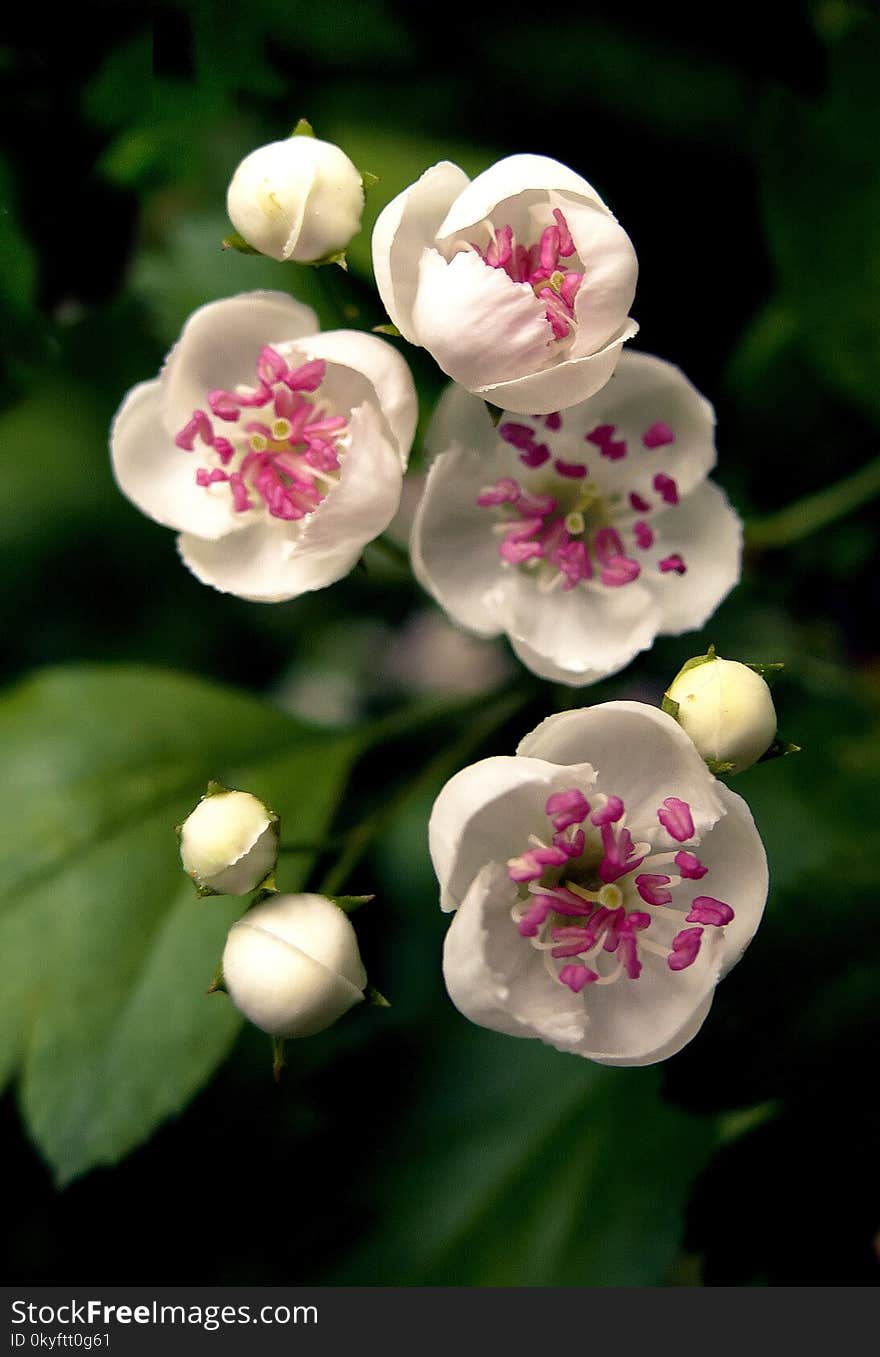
(543, 266)
(582, 895)
(576, 534)
(289, 459)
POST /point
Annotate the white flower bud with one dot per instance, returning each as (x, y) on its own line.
(727, 710)
(292, 965)
(229, 844)
(298, 199)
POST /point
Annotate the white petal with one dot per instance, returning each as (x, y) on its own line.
(486, 813)
(496, 978)
(644, 391)
(561, 385)
(478, 325)
(403, 230)
(159, 477)
(384, 368)
(580, 636)
(707, 534)
(638, 1022)
(737, 874)
(219, 347)
(610, 272)
(460, 417)
(639, 753)
(506, 179)
(279, 987)
(454, 551)
(271, 560)
(318, 927)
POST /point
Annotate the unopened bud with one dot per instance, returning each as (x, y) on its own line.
(229, 844)
(726, 709)
(292, 965)
(298, 199)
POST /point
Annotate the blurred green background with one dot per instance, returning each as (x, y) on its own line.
(141, 1134)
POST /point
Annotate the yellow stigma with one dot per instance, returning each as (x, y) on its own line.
(281, 428)
(258, 442)
(574, 523)
(611, 896)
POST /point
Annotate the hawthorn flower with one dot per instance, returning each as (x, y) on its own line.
(229, 843)
(726, 709)
(517, 283)
(581, 534)
(603, 882)
(299, 199)
(277, 452)
(292, 966)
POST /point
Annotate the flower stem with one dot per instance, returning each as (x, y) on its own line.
(815, 511)
(437, 770)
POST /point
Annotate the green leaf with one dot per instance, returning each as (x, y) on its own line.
(521, 1166)
(107, 953)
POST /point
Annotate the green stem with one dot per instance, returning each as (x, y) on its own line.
(815, 511)
(437, 770)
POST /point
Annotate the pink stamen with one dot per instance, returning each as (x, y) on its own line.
(224, 405)
(658, 435)
(666, 488)
(308, 377)
(574, 470)
(643, 535)
(554, 420)
(690, 867)
(541, 267)
(614, 449)
(535, 456)
(576, 977)
(640, 505)
(505, 491)
(206, 477)
(619, 854)
(602, 434)
(271, 367)
(567, 808)
(531, 922)
(620, 570)
(566, 244)
(651, 887)
(675, 817)
(607, 545)
(685, 948)
(608, 814)
(518, 435)
(672, 563)
(706, 910)
(199, 425)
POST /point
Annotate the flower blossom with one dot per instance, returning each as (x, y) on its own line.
(229, 843)
(298, 199)
(277, 452)
(581, 534)
(727, 710)
(603, 882)
(517, 283)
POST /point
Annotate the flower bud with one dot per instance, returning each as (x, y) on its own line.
(726, 709)
(298, 199)
(292, 965)
(229, 844)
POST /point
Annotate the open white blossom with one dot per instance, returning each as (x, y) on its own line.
(292, 966)
(229, 843)
(603, 882)
(726, 709)
(277, 452)
(584, 533)
(517, 283)
(300, 198)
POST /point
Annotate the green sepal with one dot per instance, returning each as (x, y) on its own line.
(369, 180)
(237, 242)
(203, 891)
(265, 890)
(670, 706)
(718, 766)
(388, 329)
(303, 129)
(217, 789)
(349, 903)
(278, 1061)
(495, 412)
(372, 996)
(695, 662)
(765, 671)
(217, 985)
(338, 257)
(778, 750)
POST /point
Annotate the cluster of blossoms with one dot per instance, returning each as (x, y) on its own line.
(602, 879)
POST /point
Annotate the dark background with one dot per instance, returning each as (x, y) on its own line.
(738, 145)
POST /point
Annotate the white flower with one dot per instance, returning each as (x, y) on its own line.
(581, 534)
(604, 882)
(276, 452)
(518, 283)
(229, 843)
(726, 709)
(299, 199)
(292, 965)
